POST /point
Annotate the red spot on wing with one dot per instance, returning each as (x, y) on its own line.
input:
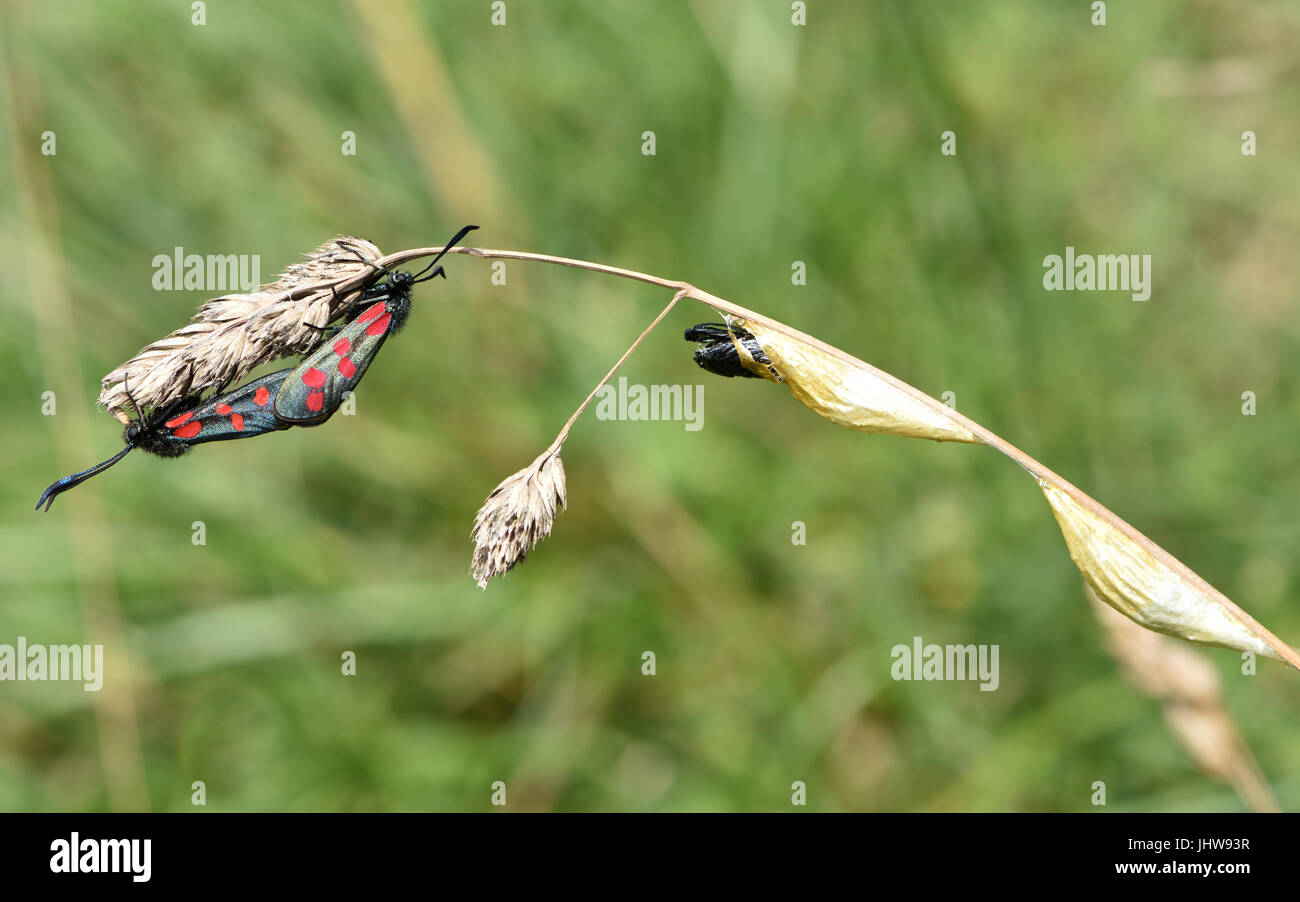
(313, 378)
(373, 312)
(237, 421)
(347, 368)
(342, 346)
(189, 430)
(315, 401)
(379, 326)
(173, 423)
(224, 409)
(261, 396)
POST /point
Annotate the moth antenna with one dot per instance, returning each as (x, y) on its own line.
(455, 240)
(438, 271)
(71, 482)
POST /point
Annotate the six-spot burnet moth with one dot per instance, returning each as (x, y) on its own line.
(305, 395)
(315, 389)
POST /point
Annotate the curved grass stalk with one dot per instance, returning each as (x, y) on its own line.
(1126, 569)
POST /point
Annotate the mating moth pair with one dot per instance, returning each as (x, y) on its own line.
(305, 395)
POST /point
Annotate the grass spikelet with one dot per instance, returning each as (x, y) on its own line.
(231, 335)
(517, 515)
(336, 258)
(519, 512)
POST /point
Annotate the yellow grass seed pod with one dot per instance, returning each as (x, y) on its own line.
(846, 391)
(1135, 582)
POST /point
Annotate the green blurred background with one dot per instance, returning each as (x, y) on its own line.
(775, 143)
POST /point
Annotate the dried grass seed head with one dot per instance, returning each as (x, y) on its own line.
(517, 515)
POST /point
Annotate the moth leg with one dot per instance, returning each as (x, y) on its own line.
(126, 387)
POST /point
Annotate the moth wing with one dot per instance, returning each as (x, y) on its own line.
(315, 389)
(247, 411)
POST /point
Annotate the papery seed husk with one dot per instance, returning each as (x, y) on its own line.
(1143, 588)
(852, 396)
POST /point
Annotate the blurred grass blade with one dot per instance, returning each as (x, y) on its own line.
(1189, 691)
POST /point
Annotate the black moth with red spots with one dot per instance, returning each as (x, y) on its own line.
(305, 395)
(315, 390)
